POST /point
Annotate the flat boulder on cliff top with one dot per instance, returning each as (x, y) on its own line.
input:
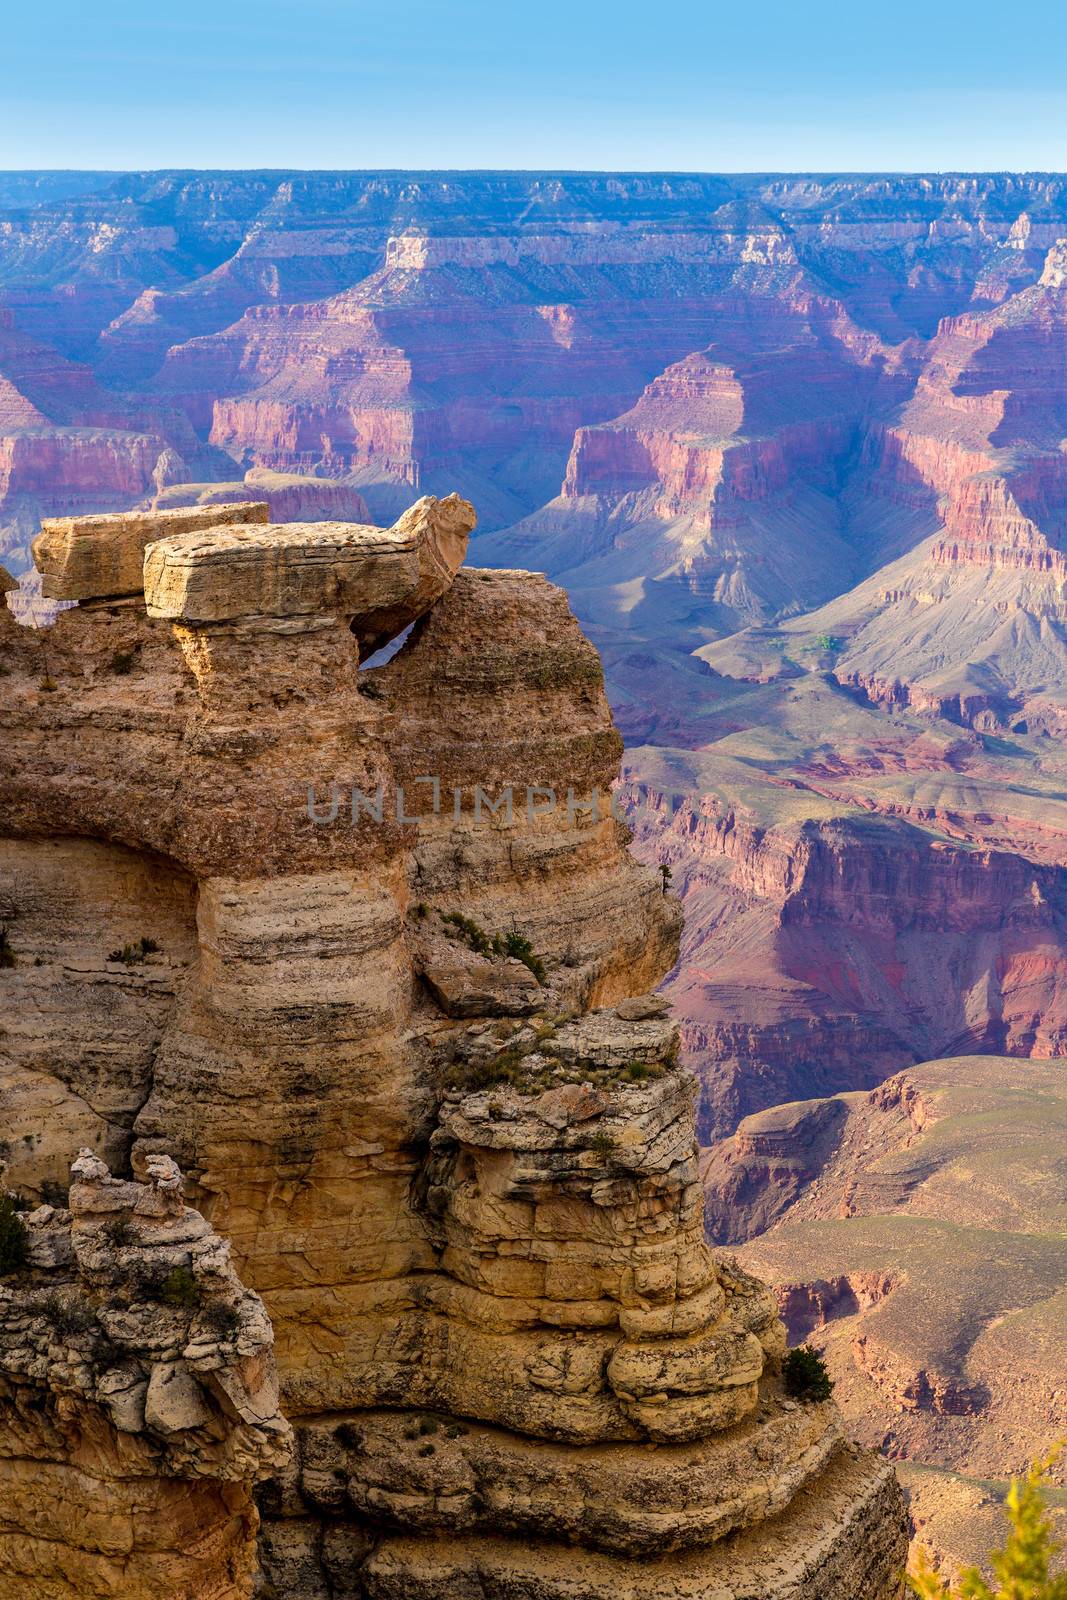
(381, 578)
(101, 557)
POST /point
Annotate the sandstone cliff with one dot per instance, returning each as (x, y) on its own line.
(260, 919)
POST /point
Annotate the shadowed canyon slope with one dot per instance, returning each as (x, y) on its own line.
(405, 1056)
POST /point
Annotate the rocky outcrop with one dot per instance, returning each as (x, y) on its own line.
(381, 580)
(101, 558)
(409, 1064)
(138, 1399)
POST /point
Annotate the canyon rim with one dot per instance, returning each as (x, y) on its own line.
(363, 1156)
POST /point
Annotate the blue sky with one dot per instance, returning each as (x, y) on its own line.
(557, 83)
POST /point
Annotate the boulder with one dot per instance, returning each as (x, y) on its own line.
(101, 557)
(469, 985)
(175, 1401)
(381, 579)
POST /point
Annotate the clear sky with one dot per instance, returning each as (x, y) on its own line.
(649, 84)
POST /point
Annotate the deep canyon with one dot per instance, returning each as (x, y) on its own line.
(794, 446)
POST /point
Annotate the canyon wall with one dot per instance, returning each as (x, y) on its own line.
(404, 330)
(915, 1234)
(862, 892)
(267, 919)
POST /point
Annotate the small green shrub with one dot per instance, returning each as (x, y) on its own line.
(180, 1288)
(131, 955)
(469, 931)
(805, 1374)
(602, 1143)
(520, 949)
(506, 1068)
(177, 1288)
(515, 945)
(14, 1240)
(643, 1071)
(349, 1435)
(828, 641)
(67, 1316)
(121, 663)
(119, 1231)
(222, 1320)
(1022, 1569)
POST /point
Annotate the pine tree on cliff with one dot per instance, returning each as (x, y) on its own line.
(1022, 1567)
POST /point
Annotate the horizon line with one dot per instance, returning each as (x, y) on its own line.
(651, 172)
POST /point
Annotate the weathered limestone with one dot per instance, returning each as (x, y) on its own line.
(138, 1400)
(379, 578)
(92, 558)
(413, 1072)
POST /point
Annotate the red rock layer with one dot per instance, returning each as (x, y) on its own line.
(822, 956)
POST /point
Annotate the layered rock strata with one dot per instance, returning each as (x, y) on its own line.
(138, 1399)
(862, 892)
(98, 558)
(388, 1027)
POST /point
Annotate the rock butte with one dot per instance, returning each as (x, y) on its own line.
(510, 1363)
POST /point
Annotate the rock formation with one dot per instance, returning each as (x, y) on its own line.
(138, 1399)
(363, 951)
(916, 1233)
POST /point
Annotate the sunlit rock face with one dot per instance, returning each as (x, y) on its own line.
(400, 1040)
(138, 1398)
